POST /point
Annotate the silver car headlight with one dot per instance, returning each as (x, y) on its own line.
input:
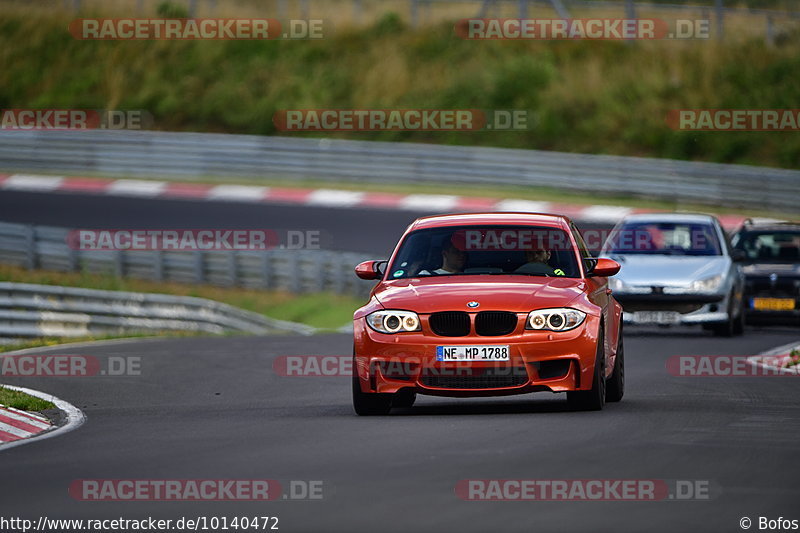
(711, 284)
(393, 321)
(559, 319)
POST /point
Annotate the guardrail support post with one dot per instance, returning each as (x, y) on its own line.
(158, 265)
(30, 248)
(266, 269)
(199, 267)
(119, 263)
(720, 12)
(233, 268)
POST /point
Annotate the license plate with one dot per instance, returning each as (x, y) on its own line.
(472, 353)
(657, 317)
(773, 304)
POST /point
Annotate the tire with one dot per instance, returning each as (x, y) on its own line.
(738, 326)
(594, 399)
(370, 403)
(728, 328)
(615, 386)
(404, 398)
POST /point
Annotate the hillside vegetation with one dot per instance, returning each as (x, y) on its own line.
(595, 97)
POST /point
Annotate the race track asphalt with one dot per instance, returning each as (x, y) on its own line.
(214, 408)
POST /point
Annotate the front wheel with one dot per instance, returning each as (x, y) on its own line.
(370, 403)
(594, 399)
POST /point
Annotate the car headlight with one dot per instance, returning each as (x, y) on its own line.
(555, 319)
(706, 285)
(393, 321)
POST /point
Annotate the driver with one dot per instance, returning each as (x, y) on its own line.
(453, 260)
(537, 264)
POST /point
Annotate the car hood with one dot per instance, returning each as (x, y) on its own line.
(668, 270)
(443, 293)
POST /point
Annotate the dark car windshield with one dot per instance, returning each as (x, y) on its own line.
(782, 246)
(494, 250)
(664, 238)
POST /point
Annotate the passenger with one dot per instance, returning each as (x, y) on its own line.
(537, 264)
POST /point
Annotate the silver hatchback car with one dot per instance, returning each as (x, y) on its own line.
(677, 269)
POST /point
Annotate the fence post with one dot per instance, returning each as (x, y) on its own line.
(770, 37)
(414, 13)
(295, 285)
(720, 12)
(192, 8)
(522, 9)
(357, 9)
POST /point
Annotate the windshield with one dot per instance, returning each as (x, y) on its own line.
(494, 250)
(664, 238)
(770, 246)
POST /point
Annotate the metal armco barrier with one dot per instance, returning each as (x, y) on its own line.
(188, 156)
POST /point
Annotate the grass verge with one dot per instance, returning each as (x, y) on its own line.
(25, 402)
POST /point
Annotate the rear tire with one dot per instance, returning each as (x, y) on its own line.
(615, 386)
(594, 399)
(370, 403)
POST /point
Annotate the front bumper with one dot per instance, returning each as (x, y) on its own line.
(539, 361)
(686, 309)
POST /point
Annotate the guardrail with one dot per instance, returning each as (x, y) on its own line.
(28, 310)
(189, 156)
(296, 271)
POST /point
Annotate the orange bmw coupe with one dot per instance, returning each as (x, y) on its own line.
(488, 304)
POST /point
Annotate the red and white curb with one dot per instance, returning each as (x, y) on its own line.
(16, 424)
(316, 197)
(20, 427)
(767, 359)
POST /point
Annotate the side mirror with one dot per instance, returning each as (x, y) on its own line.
(605, 267)
(738, 256)
(369, 270)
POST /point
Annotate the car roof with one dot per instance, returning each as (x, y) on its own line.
(670, 217)
(769, 224)
(491, 218)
